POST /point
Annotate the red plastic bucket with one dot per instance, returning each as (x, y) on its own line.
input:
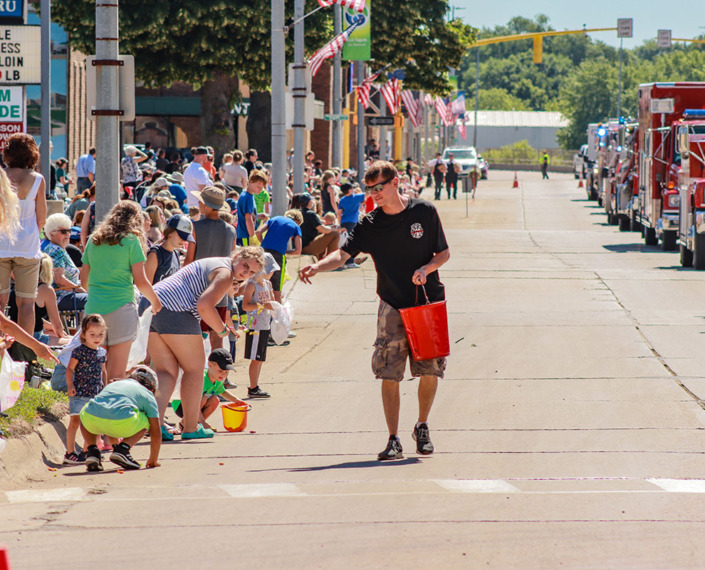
(426, 329)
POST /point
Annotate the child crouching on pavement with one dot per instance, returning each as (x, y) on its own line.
(257, 301)
(123, 409)
(219, 364)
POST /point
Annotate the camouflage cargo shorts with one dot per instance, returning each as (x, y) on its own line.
(392, 350)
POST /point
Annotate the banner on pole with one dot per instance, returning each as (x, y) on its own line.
(359, 44)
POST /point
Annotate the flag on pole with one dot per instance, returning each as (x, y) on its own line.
(449, 118)
(390, 92)
(357, 5)
(363, 90)
(413, 107)
(461, 127)
(444, 110)
(331, 48)
(428, 100)
(459, 104)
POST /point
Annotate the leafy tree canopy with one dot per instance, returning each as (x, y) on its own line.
(179, 40)
(416, 37)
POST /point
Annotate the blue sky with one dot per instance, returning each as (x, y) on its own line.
(684, 17)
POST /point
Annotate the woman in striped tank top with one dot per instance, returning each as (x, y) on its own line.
(175, 341)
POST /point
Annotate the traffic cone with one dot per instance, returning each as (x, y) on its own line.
(4, 558)
(580, 183)
(516, 180)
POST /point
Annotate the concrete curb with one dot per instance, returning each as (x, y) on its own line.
(27, 459)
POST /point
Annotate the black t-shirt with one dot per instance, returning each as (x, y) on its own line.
(308, 228)
(399, 244)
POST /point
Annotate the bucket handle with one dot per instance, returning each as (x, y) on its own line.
(249, 407)
(423, 287)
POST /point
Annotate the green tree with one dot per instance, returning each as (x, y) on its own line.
(211, 42)
(588, 96)
(497, 99)
(420, 40)
(207, 44)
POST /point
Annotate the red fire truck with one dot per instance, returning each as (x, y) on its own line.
(661, 106)
(690, 152)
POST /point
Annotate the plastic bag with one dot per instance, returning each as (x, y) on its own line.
(138, 350)
(11, 382)
(281, 323)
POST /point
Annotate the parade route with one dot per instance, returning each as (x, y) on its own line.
(569, 429)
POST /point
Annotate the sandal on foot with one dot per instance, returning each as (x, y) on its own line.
(200, 433)
(167, 435)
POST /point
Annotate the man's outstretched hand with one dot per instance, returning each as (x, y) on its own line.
(305, 273)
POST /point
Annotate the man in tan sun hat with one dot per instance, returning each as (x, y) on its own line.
(214, 238)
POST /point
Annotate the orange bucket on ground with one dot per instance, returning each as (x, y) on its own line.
(235, 416)
(426, 328)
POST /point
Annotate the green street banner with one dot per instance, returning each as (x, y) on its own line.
(359, 44)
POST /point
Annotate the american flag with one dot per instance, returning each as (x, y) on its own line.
(461, 127)
(444, 111)
(428, 100)
(413, 107)
(357, 5)
(390, 92)
(331, 48)
(363, 90)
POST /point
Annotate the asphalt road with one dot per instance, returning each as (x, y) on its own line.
(568, 428)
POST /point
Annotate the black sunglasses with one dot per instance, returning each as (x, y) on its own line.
(379, 187)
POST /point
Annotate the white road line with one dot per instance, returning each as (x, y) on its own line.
(46, 495)
(477, 485)
(263, 490)
(680, 485)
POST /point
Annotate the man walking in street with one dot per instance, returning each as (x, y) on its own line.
(438, 170)
(452, 176)
(544, 166)
(85, 171)
(405, 238)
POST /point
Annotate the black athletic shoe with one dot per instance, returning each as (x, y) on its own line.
(423, 439)
(257, 393)
(121, 456)
(393, 451)
(93, 460)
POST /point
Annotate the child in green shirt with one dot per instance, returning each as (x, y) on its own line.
(219, 364)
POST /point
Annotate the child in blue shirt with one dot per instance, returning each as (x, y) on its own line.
(123, 409)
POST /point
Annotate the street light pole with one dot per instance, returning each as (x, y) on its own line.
(46, 92)
(360, 65)
(299, 93)
(619, 90)
(279, 198)
(477, 95)
(107, 172)
(336, 157)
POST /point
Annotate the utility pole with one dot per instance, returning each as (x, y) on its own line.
(107, 107)
(299, 93)
(360, 126)
(619, 90)
(382, 129)
(279, 198)
(477, 94)
(336, 155)
(46, 92)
